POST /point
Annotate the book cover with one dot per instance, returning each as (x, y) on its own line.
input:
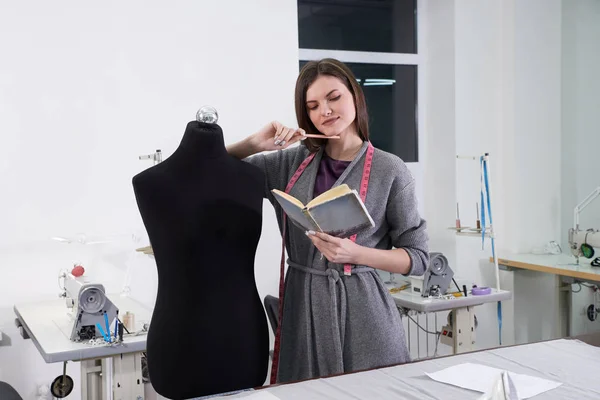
(338, 212)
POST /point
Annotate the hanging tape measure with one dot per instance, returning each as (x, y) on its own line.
(347, 267)
(364, 186)
(485, 187)
(276, 346)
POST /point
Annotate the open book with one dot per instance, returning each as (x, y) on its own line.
(337, 212)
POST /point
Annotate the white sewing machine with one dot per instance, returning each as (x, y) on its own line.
(76, 334)
(436, 280)
(582, 243)
(91, 310)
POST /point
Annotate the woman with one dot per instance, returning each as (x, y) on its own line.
(334, 323)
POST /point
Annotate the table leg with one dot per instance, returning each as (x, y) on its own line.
(113, 378)
(91, 371)
(107, 379)
(127, 373)
(463, 329)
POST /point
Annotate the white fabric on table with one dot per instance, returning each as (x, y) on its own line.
(573, 363)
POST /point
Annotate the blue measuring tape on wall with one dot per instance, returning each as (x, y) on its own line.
(485, 199)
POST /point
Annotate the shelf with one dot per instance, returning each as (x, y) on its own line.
(473, 234)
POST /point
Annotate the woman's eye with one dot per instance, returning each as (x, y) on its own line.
(335, 98)
(312, 108)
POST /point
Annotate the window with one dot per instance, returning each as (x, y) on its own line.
(377, 39)
(384, 26)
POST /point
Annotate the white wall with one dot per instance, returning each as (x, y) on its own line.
(466, 93)
(580, 130)
(478, 130)
(463, 117)
(439, 123)
(536, 189)
(436, 127)
(507, 102)
(581, 120)
(87, 88)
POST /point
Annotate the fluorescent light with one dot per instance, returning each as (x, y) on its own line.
(378, 83)
(390, 81)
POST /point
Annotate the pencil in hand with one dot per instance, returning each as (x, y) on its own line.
(309, 135)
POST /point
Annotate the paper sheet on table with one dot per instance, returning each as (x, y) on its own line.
(481, 377)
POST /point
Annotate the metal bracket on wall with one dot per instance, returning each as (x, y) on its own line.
(156, 157)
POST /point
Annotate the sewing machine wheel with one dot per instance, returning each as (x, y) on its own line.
(438, 265)
(587, 250)
(92, 300)
(592, 313)
(62, 388)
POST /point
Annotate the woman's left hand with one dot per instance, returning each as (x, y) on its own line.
(338, 251)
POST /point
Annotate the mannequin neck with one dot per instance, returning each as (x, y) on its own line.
(203, 140)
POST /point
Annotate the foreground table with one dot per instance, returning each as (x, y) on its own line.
(571, 362)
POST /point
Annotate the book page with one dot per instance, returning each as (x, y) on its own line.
(330, 194)
(293, 208)
(342, 216)
(288, 197)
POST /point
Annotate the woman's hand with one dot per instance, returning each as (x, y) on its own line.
(275, 136)
(338, 251)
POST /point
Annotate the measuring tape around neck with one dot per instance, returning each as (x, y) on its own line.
(364, 185)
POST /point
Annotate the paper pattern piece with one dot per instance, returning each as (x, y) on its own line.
(481, 378)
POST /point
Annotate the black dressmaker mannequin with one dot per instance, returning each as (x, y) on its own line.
(202, 209)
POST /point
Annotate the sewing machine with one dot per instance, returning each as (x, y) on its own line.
(437, 278)
(110, 367)
(91, 310)
(582, 243)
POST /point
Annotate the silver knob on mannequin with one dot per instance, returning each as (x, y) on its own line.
(207, 114)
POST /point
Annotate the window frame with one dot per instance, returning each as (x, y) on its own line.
(417, 59)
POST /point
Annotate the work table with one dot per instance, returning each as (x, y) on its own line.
(560, 264)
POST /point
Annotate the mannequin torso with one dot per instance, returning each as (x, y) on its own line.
(202, 210)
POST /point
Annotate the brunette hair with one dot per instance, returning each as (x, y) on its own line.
(309, 73)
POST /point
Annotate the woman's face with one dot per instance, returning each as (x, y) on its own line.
(330, 106)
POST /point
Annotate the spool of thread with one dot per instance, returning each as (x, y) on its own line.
(480, 291)
(129, 321)
(77, 271)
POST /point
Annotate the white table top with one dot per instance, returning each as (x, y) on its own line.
(49, 326)
(415, 301)
(572, 363)
(562, 264)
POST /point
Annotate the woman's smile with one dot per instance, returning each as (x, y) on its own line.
(330, 121)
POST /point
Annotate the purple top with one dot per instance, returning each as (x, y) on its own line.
(329, 172)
